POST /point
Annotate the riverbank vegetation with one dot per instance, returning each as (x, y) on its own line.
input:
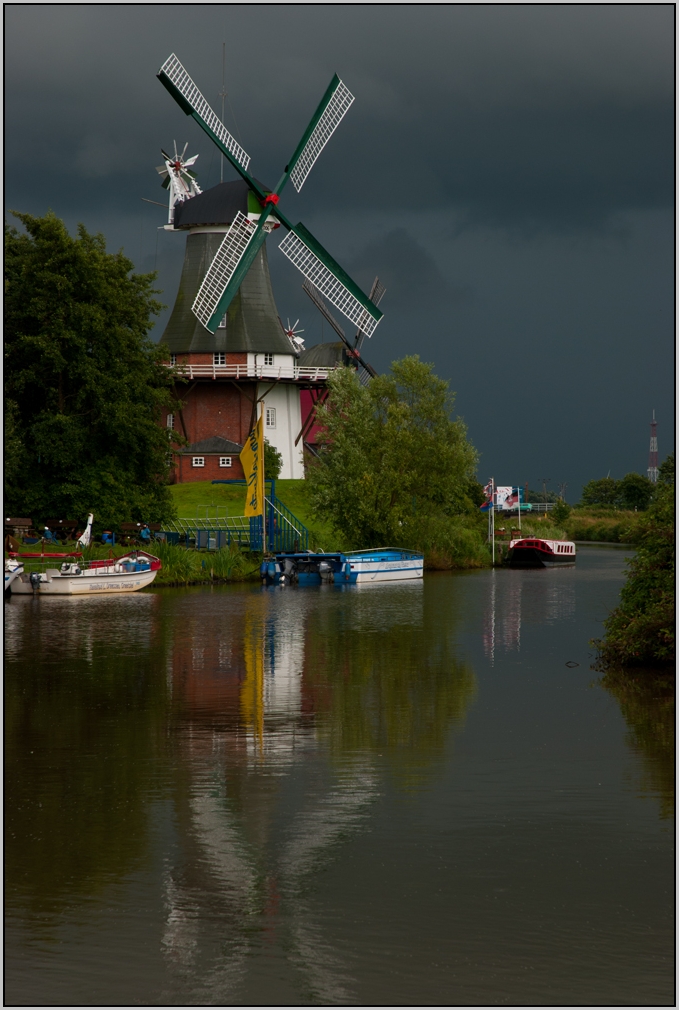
(84, 383)
(396, 470)
(640, 631)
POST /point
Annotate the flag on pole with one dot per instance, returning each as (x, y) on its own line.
(488, 491)
(252, 458)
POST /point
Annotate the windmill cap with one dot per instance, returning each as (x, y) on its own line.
(217, 206)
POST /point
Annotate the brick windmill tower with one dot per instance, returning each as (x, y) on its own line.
(224, 331)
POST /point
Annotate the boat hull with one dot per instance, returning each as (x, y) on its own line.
(363, 567)
(385, 571)
(533, 557)
(96, 583)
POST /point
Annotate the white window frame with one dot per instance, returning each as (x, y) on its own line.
(198, 461)
(170, 421)
(219, 358)
(221, 325)
(268, 360)
(173, 359)
(270, 418)
(226, 461)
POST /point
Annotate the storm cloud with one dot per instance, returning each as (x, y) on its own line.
(507, 170)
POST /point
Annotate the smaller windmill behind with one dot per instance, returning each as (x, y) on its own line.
(178, 178)
(366, 372)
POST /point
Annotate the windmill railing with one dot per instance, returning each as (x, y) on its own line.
(294, 373)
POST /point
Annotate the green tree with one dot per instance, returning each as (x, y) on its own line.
(393, 466)
(640, 632)
(273, 461)
(560, 512)
(601, 492)
(84, 383)
(634, 492)
(666, 470)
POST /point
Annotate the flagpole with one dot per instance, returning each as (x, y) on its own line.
(518, 494)
(492, 512)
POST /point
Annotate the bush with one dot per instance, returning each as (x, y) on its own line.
(640, 632)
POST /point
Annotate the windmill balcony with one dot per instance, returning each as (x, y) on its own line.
(251, 370)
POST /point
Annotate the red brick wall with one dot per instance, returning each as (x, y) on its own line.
(215, 407)
(185, 472)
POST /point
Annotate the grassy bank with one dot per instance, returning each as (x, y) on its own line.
(605, 525)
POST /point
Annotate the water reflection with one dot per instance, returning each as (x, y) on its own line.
(646, 699)
(84, 710)
(516, 596)
(276, 678)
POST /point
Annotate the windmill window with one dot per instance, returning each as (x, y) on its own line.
(271, 417)
(173, 359)
(198, 461)
(225, 460)
(219, 358)
(170, 420)
(222, 323)
(268, 359)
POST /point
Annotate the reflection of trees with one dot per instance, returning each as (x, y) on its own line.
(646, 701)
(394, 686)
(84, 710)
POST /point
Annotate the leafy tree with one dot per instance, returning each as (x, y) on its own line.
(393, 464)
(601, 492)
(666, 470)
(634, 492)
(273, 461)
(560, 512)
(640, 632)
(84, 383)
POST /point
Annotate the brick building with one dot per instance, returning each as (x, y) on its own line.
(248, 360)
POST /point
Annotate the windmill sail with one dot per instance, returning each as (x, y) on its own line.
(329, 114)
(175, 78)
(318, 266)
(317, 299)
(223, 267)
(377, 293)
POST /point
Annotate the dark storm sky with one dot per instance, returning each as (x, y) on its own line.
(506, 170)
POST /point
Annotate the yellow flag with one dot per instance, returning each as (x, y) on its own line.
(252, 458)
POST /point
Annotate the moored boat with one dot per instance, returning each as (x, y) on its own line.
(385, 564)
(534, 552)
(125, 574)
(13, 569)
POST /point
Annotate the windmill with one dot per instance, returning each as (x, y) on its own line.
(177, 178)
(245, 236)
(365, 371)
(293, 335)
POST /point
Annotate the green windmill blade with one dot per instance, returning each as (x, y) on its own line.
(318, 266)
(187, 95)
(333, 107)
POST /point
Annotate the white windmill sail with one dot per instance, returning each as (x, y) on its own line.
(182, 87)
(329, 278)
(223, 267)
(329, 114)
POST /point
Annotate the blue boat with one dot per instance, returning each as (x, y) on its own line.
(383, 564)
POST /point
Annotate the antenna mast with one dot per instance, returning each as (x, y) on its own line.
(222, 95)
(653, 453)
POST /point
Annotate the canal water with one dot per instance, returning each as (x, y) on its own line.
(400, 794)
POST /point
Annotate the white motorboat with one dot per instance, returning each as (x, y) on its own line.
(125, 574)
(13, 569)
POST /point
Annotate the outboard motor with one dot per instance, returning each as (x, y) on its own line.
(35, 580)
(289, 571)
(325, 571)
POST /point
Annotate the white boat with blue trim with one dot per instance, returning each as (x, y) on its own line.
(383, 564)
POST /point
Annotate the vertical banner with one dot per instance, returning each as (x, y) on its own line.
(252, 458)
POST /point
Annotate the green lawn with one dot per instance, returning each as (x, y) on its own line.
(200, 499)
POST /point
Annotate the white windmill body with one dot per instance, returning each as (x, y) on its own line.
(177, 178)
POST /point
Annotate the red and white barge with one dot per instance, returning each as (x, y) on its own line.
(533, 552)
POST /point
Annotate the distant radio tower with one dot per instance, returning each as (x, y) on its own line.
(653, 453)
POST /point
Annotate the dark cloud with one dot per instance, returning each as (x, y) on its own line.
(507, 169)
